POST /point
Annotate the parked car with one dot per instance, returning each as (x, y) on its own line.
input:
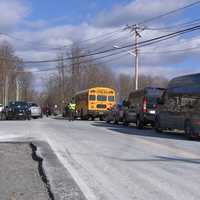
(1, 107)
(115, 115)
(142, 106)
(179, 107)
(36, 111)
(16, 110)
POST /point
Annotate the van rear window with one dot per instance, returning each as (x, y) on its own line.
(155, 92)
(101, 98)
(111, 98)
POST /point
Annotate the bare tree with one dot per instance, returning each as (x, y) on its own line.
(10, 67)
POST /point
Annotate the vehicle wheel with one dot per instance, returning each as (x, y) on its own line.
(3, 116)
(28, 117)
(125, 123)
(189, 131)
(92, 118)
(101, 118)
(139, 123)
(115, 121)
(157, 126)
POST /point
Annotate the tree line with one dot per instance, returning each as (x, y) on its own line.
(81, 73)
(15, 83)
(69, 77)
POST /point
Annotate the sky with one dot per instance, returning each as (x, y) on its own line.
(36, 27)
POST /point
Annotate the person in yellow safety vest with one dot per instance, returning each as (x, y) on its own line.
(71, 109)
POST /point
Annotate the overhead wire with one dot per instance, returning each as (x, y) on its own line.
(119, 52)
(169, 13)
(180, 25)
(180, 32)
(130, 45)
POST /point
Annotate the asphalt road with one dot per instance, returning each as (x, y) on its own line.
(19, 176)
(113, 162)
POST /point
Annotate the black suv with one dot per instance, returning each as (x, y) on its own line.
(16, 110)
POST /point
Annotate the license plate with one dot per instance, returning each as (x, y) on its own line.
(152, 112)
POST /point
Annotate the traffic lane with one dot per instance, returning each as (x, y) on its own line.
(115, 165)
(116, 162)
(169, 139)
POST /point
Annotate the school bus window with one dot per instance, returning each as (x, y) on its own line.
(92, 98)
(111, 98)
(101, 98)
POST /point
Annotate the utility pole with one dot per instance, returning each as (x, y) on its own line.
(135, 29)
(62, 79)
(61, 76)
(6, 89)
(17, 89)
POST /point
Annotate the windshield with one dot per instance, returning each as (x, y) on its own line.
(33, 105)
(18, 104)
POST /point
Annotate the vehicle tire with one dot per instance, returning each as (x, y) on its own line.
(115, 121)
(28, 117)
(189, 131)
(108, 121)
(101, 118)
(3, 116)
(139, 123)
(92, 118)
(125, 123)
(157, 126)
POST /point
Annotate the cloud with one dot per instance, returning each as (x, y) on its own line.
(38, 24)
(38, 42)
(41, 43)
(136, 11)
(12, 12)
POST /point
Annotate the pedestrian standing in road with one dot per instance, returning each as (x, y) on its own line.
(71, 109)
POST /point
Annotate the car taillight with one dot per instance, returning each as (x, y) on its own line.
(145, 105)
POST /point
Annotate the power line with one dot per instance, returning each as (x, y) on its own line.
(169, 13)
(174, 34)
(45, 45)
(109, 34)
(180, 25)
(121, 49)
(114, 59)
(171, 51)
(113, 54)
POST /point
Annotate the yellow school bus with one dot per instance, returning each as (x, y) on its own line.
(94, 102)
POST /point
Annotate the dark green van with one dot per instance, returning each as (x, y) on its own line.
(179, 107)
(142, 106)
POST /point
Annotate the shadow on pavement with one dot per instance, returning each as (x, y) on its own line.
(147, 132)
(58, 118)
(154, 159)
